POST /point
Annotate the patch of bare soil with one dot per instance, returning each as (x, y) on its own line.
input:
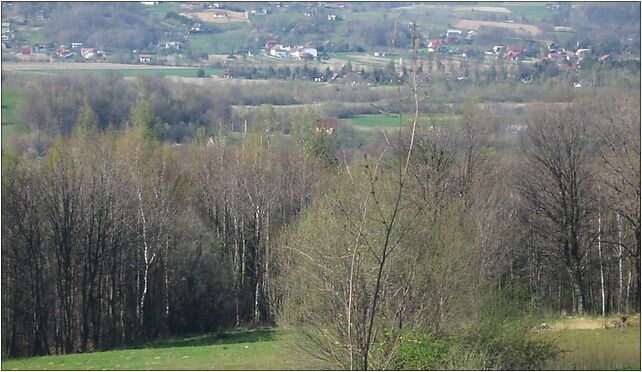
(517, 27)
(217, 16)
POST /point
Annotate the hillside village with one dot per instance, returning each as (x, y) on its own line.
(202, 20)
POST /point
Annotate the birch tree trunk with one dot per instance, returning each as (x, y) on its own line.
(599, 252)
(619, 259)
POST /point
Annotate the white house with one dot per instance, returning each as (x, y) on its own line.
(453, 33)
(310, 51)
(279, 52)
(299, 52)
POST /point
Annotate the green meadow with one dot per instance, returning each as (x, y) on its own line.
(277, 349)
(370, 122)
(10, 126)
(598, 349)
(263, 349)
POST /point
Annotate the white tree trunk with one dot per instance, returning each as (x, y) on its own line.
(599, 252)
(619, 258)
(628, 290)
(166, 281)
(235, 272)
(257, 230)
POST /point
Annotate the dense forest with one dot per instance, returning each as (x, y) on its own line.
(113, 233)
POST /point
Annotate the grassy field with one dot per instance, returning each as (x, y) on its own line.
(184, 72)
(221, 43)
(598, 349)
(276, 349)
(11, 97)
(263, 349)
(11, 131)
(34, 37)
(162, 9)
(377, 122)
(534, 11)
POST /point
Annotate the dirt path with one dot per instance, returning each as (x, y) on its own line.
(592, 323)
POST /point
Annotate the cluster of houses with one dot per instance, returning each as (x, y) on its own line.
(331, 17)
(452, 36)
(73, 50)
(171, 45)
(573, 59)
(288, 51)
(260, 12)
(7, 34)
(65, 51)
(448, 42)
(445, 44)
(559, 54)
(338, 5)
(88, 54)
(512, 53)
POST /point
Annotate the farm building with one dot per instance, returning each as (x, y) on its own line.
(144, 58)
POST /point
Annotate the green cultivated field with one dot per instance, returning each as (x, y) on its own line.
(220, 43)
(377, 122)
(266, 348)
(10, 127)
(534, 11)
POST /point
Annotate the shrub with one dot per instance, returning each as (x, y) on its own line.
(420, 351)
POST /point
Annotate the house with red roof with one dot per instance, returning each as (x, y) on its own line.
(513, 53)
